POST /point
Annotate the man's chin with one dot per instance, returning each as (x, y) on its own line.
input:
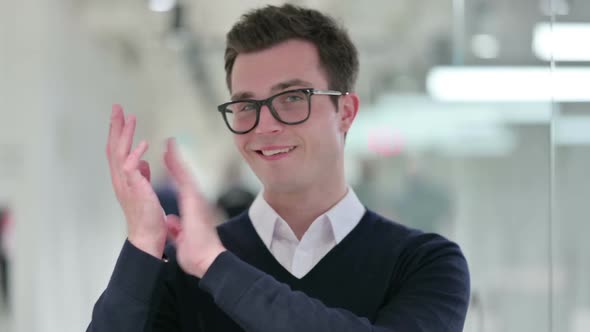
(282, 185)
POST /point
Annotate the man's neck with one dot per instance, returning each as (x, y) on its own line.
(300, 208)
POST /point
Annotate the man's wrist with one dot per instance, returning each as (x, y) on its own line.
(154, 248)
(202, 268)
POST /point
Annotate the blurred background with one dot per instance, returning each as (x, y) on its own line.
(474, 123)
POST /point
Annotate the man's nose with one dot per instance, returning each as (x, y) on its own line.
(267, 123)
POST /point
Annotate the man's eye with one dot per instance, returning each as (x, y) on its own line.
(293, 98)
(247, 107)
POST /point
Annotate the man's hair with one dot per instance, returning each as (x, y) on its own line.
(268, 26)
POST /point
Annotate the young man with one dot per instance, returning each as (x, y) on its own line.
(307, 256)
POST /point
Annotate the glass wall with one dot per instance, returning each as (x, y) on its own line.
(570, 260)
(463, 147)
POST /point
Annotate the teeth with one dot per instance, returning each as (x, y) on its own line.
(273, 152)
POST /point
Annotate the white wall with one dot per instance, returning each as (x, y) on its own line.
(57, 87)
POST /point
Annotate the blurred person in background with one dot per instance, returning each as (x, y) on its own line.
(423, 203)
(167, 196)
(235, 198)
(5, 251)
(308, 256)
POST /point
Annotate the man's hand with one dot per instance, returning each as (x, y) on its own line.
(197, 241)
(146, 228)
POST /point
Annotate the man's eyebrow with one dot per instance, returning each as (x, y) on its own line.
(289, 83)
(275, 88)
(242, 95)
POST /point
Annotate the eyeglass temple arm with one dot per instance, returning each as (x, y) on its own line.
(329, 92)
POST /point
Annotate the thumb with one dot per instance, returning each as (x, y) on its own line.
(174, 226)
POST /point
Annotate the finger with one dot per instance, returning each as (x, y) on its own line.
(116, 126)
(174, 226)
(144, 170)
(176, 167)
(117, 122)
(131, 165)
(126, 140)
(191, 201)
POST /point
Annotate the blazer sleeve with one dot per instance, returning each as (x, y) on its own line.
(135, 298)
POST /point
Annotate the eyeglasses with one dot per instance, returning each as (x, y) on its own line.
(289, 107)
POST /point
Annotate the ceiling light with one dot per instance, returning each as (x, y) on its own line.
(485, 46)
(562, 42)
(161, 5)
(501, 84)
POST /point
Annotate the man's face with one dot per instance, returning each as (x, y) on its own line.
(311, 152)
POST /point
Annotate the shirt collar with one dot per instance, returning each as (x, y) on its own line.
(263, 218)
(343, 217)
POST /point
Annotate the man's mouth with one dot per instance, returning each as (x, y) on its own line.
(274, 152)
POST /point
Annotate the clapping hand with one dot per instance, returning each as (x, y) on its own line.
(196, 238)
(130, 176)
(194, 232)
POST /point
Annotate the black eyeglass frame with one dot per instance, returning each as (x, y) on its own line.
(268, 102)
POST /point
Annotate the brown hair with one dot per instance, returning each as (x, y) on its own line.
(265, 27)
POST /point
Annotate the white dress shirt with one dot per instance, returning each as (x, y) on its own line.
(299, 257)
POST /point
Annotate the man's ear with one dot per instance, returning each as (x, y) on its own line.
(349, 107)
